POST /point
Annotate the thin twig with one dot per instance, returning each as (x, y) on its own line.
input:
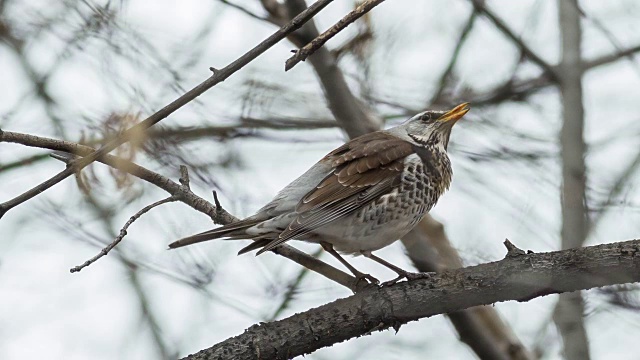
(314, 45)
(617, 188)
(161, 114)
(186, 196)
(23, 162)
(466, 30)
(123, 233)
(184, 180)
(606, 59)
(480, 7)
(612, 39)
(215, 200)
(523, 88)
(244, 10)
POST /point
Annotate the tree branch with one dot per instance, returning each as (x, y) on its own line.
(122, 234)
(520, 278)
(310, 48)
(184, 195)
(217, 77)
(519, 89)
(481, 8)
(480, 327)
(464, 34)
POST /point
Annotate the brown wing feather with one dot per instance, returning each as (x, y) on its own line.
(358, 163)
(364, 169)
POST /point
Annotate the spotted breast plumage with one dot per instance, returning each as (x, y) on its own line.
(360, 197)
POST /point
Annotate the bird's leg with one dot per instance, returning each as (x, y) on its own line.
(359, 275)
(402, 274)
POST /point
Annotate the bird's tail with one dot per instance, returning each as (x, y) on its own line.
(234, 230)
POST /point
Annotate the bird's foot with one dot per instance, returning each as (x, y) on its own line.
(366, 278)
(409, 276)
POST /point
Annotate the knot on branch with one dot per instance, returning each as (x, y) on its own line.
(512, 250)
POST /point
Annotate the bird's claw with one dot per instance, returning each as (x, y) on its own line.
(409, 276)
(366, 277)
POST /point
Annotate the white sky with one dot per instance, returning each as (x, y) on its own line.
(47, 312)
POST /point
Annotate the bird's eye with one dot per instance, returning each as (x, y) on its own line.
(426, 117)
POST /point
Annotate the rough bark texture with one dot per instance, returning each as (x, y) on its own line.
(517, 277)
(568, 314)
(480, 327)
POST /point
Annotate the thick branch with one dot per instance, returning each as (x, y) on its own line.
(480, 327)
(520, 278)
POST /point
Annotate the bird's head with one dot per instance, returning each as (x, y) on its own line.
(432, 128)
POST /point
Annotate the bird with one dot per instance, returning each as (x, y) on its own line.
(359, 198)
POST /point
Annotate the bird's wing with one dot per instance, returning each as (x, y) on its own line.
(364, 169)
(287, 199)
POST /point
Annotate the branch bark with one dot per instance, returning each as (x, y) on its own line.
(520, 277)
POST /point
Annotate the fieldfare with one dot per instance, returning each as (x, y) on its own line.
(361, 197)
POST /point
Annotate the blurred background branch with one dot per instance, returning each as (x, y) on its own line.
(88, 70)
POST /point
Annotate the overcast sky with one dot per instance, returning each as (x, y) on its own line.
(46, 312)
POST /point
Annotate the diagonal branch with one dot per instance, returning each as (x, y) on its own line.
(310, 48)
(618, 187)
(122, 234)
(498, 23)
(217, 77)
(519, 89)
(243, 10)
(464, 34)
(184, 195)
(519, 277)
(606, 59)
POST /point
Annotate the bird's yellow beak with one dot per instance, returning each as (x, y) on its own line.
(455, 114)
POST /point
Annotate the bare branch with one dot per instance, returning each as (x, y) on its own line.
(123, 233)
(161, 114)
(520, 278)
(243, 10)
(481, 8)
(607, 59)
(218, 215)
(349, 111)
(618, 187)
(442, 83)
(310, 48)
(480, 327)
